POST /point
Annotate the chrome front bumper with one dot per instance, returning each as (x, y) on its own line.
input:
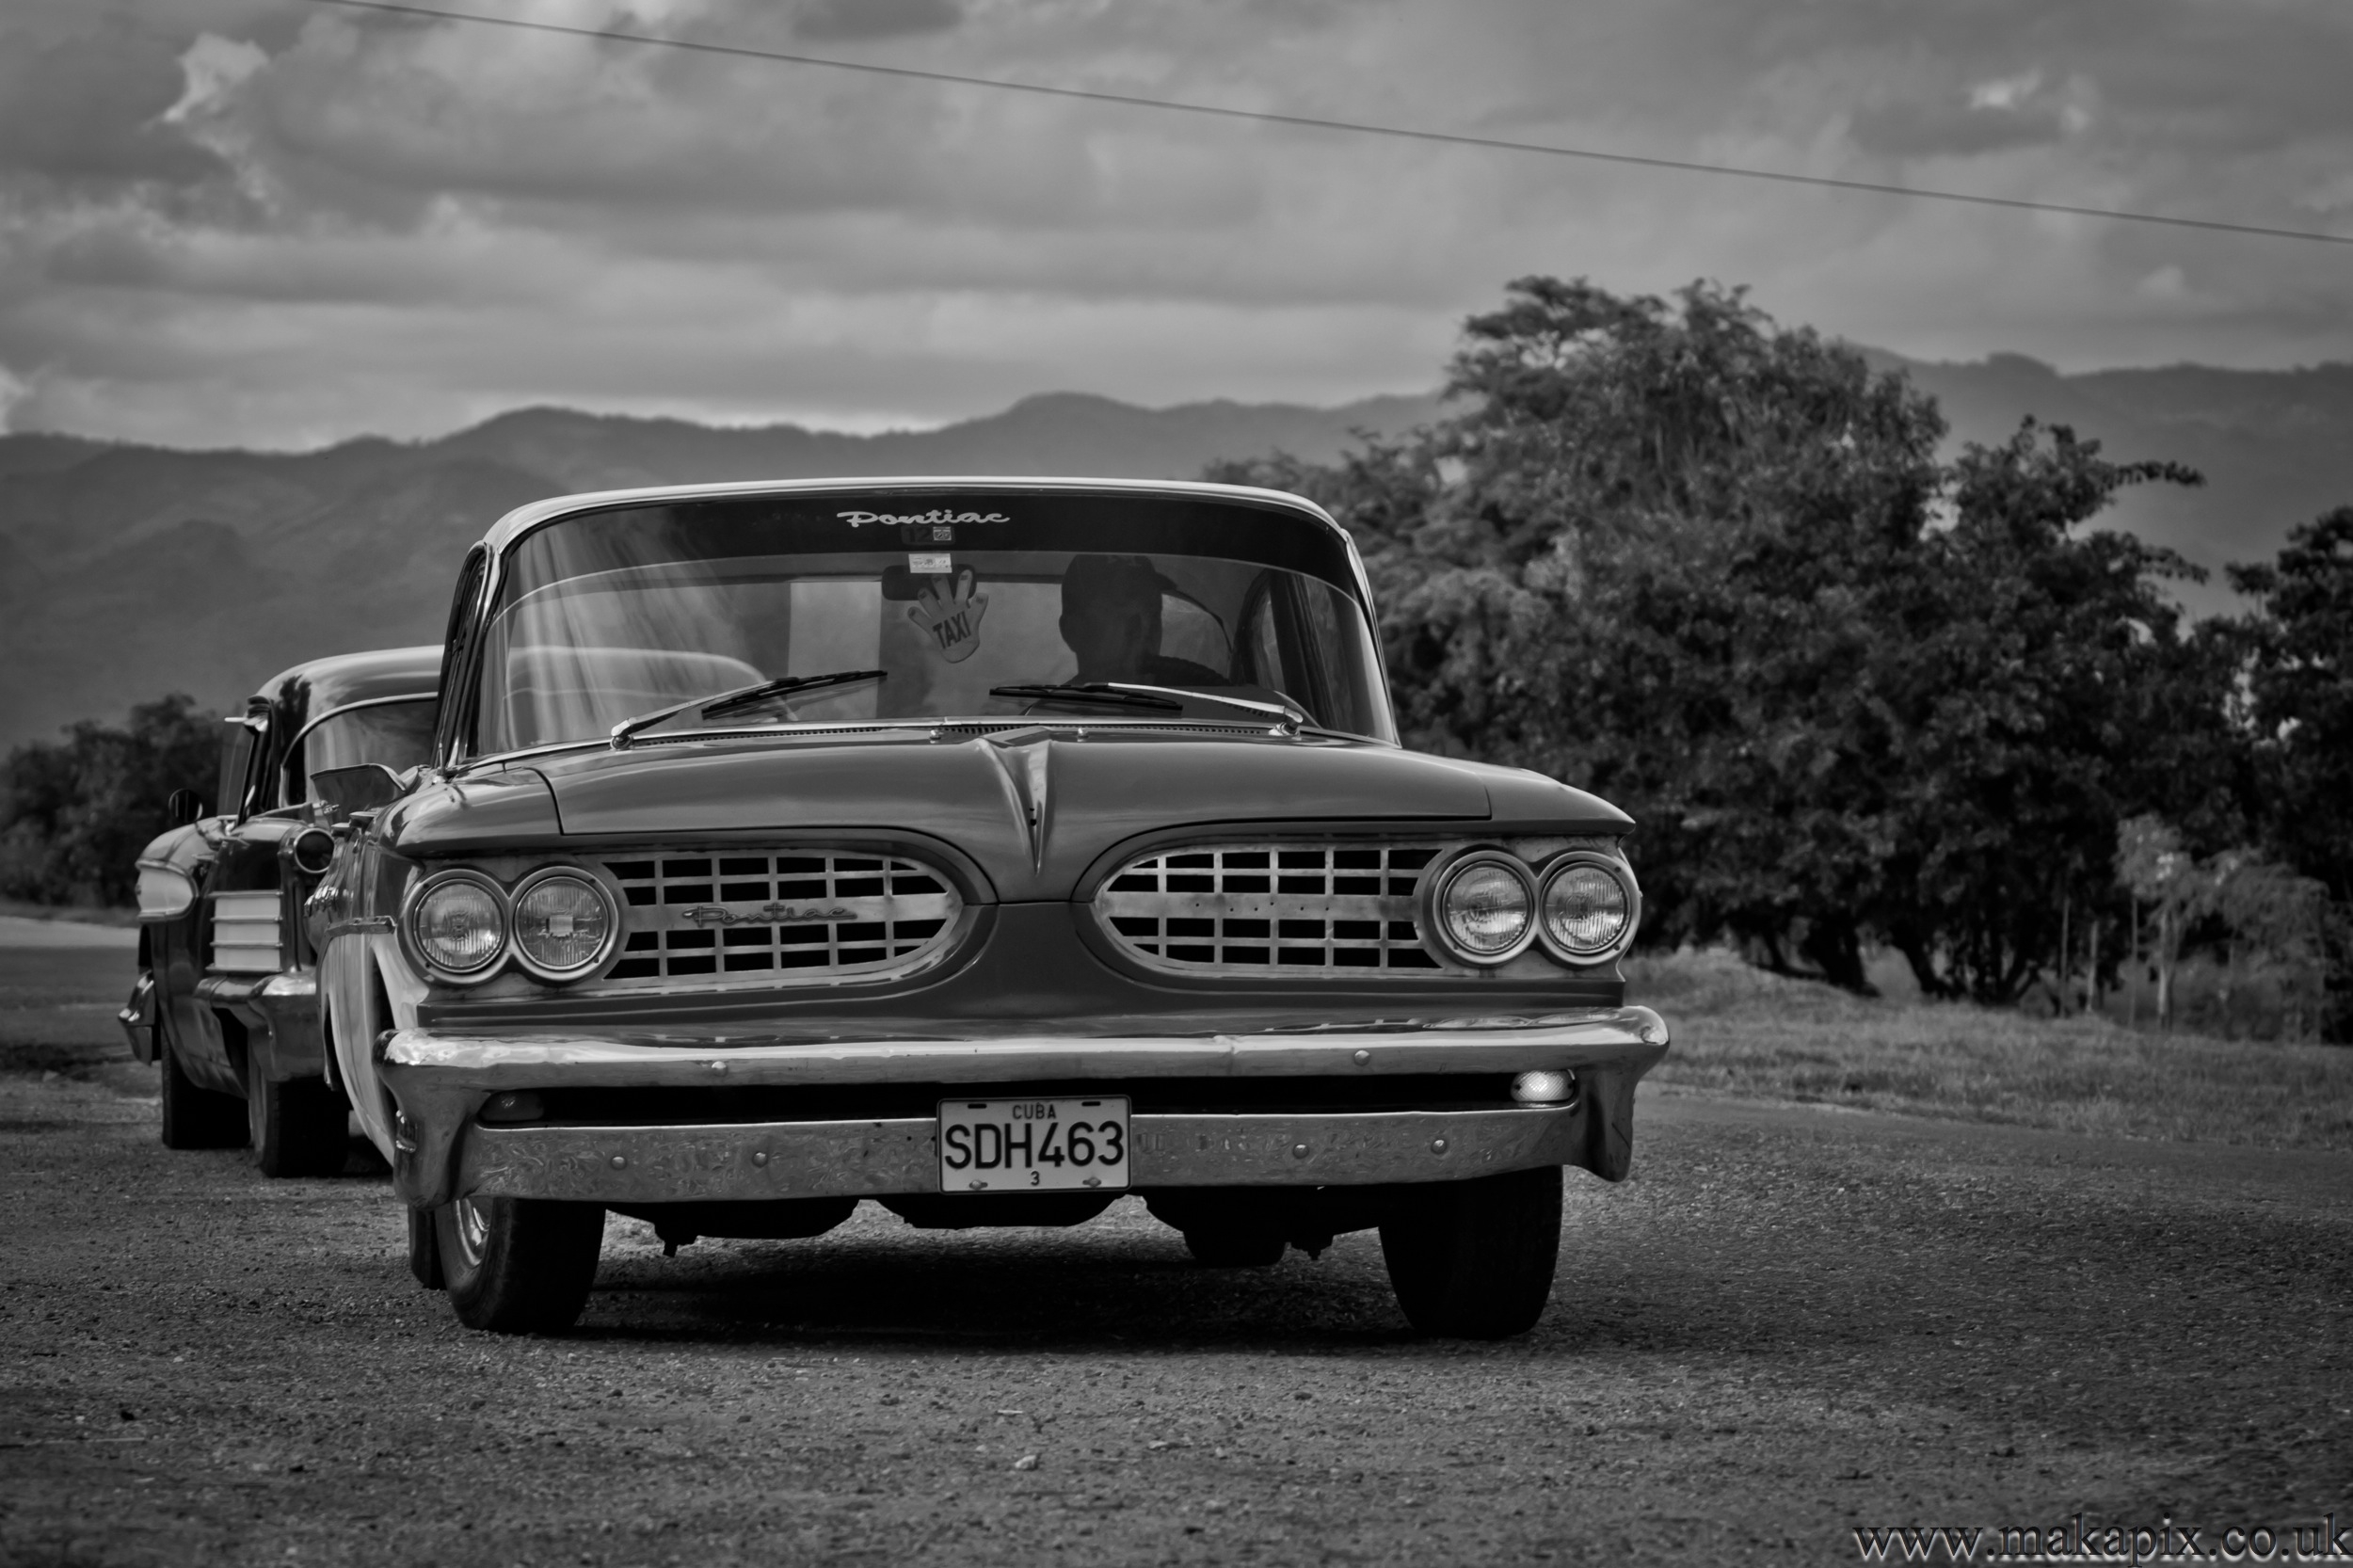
(281, 1015)
(441, 1083)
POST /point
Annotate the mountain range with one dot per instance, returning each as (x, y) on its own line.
(127, 570)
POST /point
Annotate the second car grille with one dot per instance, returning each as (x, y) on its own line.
(1335, 910)
(734, 918)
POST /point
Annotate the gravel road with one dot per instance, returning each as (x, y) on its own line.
(1790, 1322)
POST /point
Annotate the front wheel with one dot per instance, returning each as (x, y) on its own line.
(1474, 1259)
(297, 1128)
(519, 1265)
(198, 1118)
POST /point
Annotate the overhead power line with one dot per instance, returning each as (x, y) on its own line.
(1313, 123)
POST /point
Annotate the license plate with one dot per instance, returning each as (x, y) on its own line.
(1033, 1145)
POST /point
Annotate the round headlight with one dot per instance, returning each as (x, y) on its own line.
(562, 924)
(1485, 909)
(1587, 910)
(459, 925)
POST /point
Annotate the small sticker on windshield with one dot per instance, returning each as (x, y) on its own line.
(930, 565)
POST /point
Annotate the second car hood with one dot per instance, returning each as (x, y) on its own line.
(1034, 809)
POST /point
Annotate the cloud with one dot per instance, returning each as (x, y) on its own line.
(846, 19)
(274, 222)
(82, 94)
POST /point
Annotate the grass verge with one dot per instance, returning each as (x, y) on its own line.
(1739, 1029)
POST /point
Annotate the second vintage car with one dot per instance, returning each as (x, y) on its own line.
(226, 1003)
(989, 848)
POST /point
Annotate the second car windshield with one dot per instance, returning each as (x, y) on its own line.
(616, 615)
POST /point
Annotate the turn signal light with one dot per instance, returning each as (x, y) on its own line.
(1543, 1088)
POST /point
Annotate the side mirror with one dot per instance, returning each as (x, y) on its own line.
(367, 787)
(183, 806)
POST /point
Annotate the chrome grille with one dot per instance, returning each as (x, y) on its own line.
(1335, 910)
(804, 916)
(245, 933)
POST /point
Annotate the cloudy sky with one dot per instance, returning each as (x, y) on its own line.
(275, 222)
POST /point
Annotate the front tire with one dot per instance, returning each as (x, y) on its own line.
(198, 1118)
(297, 1128)
(519, 1265)
(1475, 1260)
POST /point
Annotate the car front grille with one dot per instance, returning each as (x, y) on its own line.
(1331, 910)
(245, 933)
(734, 917)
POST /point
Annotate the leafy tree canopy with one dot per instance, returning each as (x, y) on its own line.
(73, 816)
(1714, 570)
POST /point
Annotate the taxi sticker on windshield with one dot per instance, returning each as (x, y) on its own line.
(949, 612)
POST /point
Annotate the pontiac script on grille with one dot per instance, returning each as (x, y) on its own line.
(708, 914)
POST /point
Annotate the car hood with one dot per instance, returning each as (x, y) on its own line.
(1034, 808)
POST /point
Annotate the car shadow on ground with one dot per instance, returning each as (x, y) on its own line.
(1122, 1280)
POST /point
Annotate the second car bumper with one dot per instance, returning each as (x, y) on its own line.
(443, 1152)
(282, 1015)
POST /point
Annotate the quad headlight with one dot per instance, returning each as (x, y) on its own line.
(458, 924)
(1483, 908)
(1487, 905)
(1588, 908)
(563, 923)
(558, 923)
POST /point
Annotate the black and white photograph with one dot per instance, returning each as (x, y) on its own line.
(1031, 782)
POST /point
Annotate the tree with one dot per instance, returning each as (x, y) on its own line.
(2043, 691)
(1642, 558)
(74, 816)
(1712, 568)
(2299, 705)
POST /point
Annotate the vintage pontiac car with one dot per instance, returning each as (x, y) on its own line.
(990, 848)
(227, 995)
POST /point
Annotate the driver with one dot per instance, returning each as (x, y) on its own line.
(1111, 617)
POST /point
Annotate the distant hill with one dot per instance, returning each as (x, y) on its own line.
(2276, 447)
(127, 571)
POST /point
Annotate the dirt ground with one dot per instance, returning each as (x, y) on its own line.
(1792, 1322)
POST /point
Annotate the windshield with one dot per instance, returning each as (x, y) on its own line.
(925, 608)
(398, 734)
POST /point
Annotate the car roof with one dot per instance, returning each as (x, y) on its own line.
(342, 679)
(523, 519)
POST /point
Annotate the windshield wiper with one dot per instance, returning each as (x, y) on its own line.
(1092, 691)
(740, 698)
(1284, 710)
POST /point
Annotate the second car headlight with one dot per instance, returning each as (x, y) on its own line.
(1588, 908)
(1484, 908)
(562, 923)
(459, 924)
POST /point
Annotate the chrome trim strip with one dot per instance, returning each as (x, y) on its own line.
(932, 728)
(488, 1063)
(866, 1158)
(354, 706)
